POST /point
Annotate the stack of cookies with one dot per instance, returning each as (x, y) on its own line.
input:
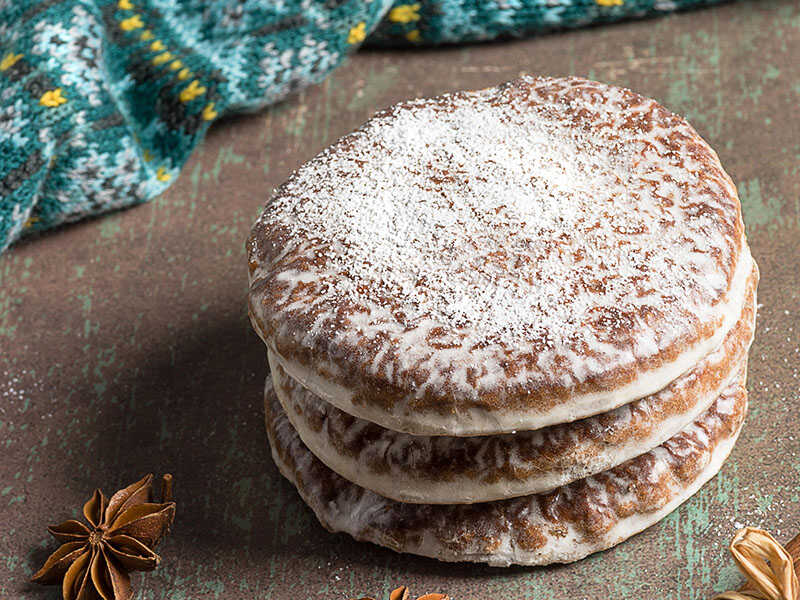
(508, 326)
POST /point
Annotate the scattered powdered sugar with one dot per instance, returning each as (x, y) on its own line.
(513, 216)
(17, 390)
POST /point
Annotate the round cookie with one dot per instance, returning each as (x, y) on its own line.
(463, 470)
(500, 260)
(567, 524)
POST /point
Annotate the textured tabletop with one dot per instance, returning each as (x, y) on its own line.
(125, 346)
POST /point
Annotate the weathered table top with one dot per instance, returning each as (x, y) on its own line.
(125, 346)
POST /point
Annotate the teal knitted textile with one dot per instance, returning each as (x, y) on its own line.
(102, 101)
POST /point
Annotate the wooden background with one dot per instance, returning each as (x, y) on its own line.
(125, 347)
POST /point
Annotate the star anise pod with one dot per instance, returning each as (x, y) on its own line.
(94, 559)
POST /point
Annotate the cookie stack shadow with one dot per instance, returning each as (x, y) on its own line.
(507, 326)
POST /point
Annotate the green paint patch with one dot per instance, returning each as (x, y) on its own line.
(758, 208)
(226, 156)
(727, 578)
(764, 501)
(109, 227)
(771, 72)
(295, 127)
(241, 522)
(194, 178)
(380, 81)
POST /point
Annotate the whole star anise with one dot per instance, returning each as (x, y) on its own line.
(94, 560)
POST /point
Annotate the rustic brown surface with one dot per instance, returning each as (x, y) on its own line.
(125, 348)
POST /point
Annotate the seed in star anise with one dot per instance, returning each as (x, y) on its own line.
(94, 559)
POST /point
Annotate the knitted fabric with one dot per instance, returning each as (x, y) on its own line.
(102, 101)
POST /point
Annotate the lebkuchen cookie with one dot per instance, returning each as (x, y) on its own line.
(569, 523)
(500, 260)
(508, 326)
(460, 470)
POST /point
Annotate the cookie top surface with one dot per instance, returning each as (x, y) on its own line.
(538, 236)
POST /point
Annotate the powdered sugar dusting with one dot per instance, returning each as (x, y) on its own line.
(509, 215)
